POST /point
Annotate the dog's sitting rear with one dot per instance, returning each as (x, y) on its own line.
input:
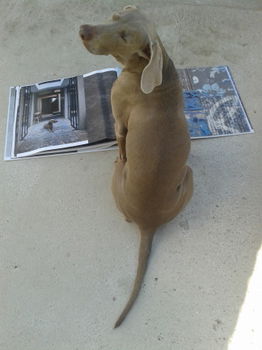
(151, 181)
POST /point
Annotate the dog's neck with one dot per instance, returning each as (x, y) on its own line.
(136, 64)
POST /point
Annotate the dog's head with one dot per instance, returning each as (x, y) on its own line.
(129, 34)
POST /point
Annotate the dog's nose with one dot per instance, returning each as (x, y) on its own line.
(86, 32)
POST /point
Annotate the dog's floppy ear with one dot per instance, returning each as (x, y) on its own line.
(152, 73)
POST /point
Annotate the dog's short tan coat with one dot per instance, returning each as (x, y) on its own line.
(151, 181)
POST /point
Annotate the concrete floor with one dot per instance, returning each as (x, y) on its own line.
(67, 256)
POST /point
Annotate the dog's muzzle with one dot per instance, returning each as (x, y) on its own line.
(86, 32)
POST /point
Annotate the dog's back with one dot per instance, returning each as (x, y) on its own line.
(157, 146)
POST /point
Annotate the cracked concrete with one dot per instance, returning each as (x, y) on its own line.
(67, 257)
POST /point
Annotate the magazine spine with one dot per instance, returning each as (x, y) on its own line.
(10, 123)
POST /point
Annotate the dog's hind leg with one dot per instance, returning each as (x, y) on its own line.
(118, 185)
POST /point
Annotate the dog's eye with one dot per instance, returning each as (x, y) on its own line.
(123, 36)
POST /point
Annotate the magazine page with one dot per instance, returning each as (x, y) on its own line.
(212, 103)
(59, 114)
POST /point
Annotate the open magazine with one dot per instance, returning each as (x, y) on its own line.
(74, 114)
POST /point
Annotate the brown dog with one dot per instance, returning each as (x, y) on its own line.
(151, 182)
(49, 126)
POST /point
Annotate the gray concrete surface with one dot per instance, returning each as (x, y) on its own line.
(68, 258)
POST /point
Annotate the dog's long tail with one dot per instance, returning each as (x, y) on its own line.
(146, 239)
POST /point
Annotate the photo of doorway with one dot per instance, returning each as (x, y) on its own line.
(51, 113)
(51, 104)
